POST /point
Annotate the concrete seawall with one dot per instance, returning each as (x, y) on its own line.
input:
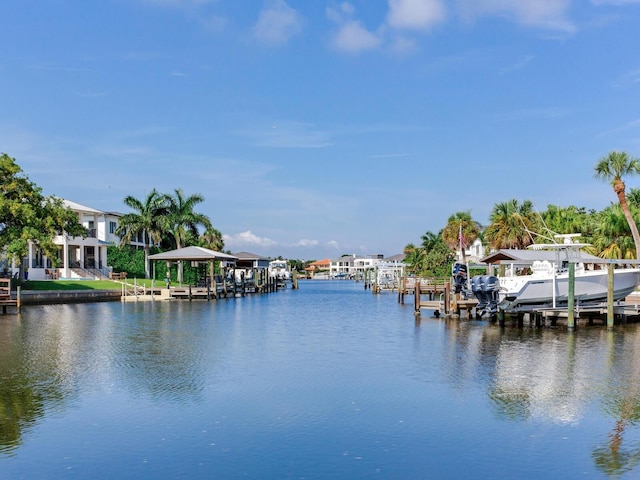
(34, 297)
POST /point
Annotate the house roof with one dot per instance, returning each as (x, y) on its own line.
(248, 256)
(78, 207)
(318, 263)
(525, 257)
(396, 258)
(192, 254)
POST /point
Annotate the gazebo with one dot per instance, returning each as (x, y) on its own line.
(194, 255)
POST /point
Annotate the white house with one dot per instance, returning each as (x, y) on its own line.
(356, 266)
(78, 257)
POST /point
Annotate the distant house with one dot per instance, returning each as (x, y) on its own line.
(474, 252)
(251, 260)
(318, 266)
(355, 266)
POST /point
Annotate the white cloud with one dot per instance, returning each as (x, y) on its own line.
(354, 38)
(247, 238)
(278, 23)
(306, 243)
(351, 36)
(333, 244)
(415, 14)
(549, 14)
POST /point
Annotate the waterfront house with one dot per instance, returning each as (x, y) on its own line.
(319, 267)
(78, 257)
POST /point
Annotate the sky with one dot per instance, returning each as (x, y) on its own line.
(320, 128)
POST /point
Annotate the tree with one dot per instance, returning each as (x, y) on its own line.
(460, 224)
(146, 220)
(414, 258)
(611, 237)
(511, 224)
(182, 221)
(612, 168)
(27, 215)
(569, 219)
(211, 239)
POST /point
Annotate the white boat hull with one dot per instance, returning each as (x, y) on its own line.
(521, 293)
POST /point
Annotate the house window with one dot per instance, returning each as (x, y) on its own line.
(112, 227)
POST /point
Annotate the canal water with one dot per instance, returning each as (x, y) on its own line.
(326, 382)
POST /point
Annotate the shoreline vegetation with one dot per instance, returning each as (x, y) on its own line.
(170, 221)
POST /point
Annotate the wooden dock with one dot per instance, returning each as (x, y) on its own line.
(439, 296)
(5, 296)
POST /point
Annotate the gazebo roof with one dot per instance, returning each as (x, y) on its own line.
(529, 256)
(192, 254)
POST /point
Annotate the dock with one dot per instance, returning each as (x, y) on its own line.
(5, 296)
(439, 296)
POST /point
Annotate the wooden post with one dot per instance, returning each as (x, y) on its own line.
(571, 321)
(18, 298)
(610, 313)
(189, 292)
(416, 300)
(447, 297)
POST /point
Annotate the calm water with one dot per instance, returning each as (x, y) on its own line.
(328, 381)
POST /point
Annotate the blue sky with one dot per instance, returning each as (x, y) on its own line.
(318, 128)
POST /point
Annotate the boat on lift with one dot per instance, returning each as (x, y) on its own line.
(546, 282)
(279, 271)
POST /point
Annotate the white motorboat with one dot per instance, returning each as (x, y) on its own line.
(546, 283)
(280, 272)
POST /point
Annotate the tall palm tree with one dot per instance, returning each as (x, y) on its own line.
(182, 221)
(511, 224)
(145, 221)
(612, 168)
(461, 230)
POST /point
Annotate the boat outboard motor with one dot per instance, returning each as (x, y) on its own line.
(476, 289)
(490, 288)
(459, 272)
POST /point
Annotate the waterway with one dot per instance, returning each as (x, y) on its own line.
(326, 382)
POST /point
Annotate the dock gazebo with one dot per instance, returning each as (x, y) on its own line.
(195, 255)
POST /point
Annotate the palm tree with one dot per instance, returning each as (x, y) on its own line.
(182, 221)
(212, 239)
(414, 258)
(611, 236)
(612, 168)
(569, 219)
(511, 224)
(145, 221)
(461, 230)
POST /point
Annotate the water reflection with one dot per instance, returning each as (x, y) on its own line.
(622, 403)
(300, 379)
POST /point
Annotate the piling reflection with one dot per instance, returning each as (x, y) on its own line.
(622, 403)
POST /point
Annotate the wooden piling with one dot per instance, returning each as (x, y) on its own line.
(610, 313)
(571, 321)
